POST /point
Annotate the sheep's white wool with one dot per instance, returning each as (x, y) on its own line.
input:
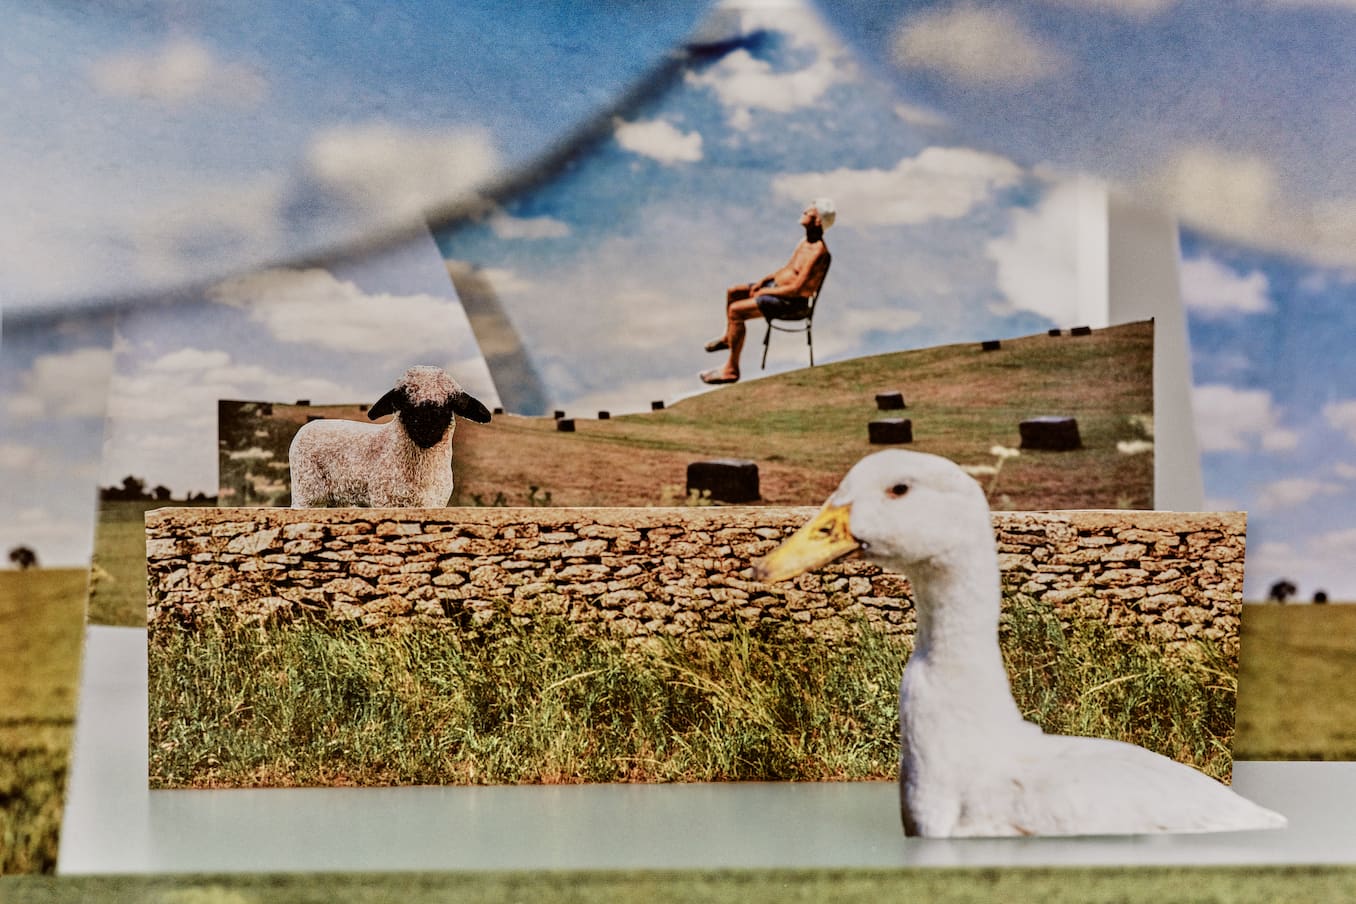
(401, 464)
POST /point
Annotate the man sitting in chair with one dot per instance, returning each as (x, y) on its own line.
(783, 295)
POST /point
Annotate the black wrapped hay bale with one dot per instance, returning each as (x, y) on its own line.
(565, 424)
(559, 414)
(498, 410)
(890, 430)
(604, 415)
(657, 405)
(727, 479)
(889, 401)
(1081, 331)
(990, 345)
(1051, 434)
(1055, 332)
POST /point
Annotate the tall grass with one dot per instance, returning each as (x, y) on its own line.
(322, 704)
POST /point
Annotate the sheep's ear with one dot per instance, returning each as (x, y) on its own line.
(387, 404)
(469, 407)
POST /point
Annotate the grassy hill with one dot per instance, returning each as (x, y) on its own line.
(807, 427)
(41, 625)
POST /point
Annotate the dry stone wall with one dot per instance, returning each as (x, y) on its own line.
(654, 571)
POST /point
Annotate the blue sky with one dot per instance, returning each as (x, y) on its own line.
(149, 143)
(1275, 399)
(613, 267)
(1238, 114)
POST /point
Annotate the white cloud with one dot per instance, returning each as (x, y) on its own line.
(848, 326)
(1344, 470)
(743, 83)
(163, 412)
(1239, 196)
(1229, 419)
(65, 384)
(940, 183)
(1292, 491)
(510, 227)
(179, 71)
(394, 174)
(1038, 259)
(1212, 289)
(659, 140)
(981, 47)
(313, 307)
(15, 457)
(1219, 188)
(1342, 416)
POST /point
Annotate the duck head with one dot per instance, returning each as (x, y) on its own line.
(902, 509)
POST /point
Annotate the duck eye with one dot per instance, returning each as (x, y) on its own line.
(897, 490)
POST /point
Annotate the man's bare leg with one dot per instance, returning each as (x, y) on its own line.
(737, 314)
(733, 295)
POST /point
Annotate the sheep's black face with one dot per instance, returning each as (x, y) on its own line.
(426, 423)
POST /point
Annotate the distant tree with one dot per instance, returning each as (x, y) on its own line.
(132, 489)
(1320, 596)
(23, 558)
(1281, 591)
(162, 493)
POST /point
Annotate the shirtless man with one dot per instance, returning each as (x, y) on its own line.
(782, 294)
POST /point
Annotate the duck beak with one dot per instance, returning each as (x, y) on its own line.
(827, 537)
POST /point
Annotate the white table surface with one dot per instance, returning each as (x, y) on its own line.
(114, 824)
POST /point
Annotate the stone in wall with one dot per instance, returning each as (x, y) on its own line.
(1168, 577)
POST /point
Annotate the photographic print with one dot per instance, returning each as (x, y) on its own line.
(1275, 412)
(325, 334)
(602, 274)
(545, 645)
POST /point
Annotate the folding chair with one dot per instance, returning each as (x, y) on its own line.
(804, 324)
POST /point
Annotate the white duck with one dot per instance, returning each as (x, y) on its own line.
(969, 764)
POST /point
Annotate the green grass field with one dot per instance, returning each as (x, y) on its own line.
(117, 594)
(1075, 885)
(332, 705)
(41, 626)
(806, 428)
(1296, 669)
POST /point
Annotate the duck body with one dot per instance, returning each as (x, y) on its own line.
(970, 764)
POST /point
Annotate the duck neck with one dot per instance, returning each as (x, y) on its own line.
(957, 601)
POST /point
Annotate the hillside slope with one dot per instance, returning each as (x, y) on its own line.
(807, 427)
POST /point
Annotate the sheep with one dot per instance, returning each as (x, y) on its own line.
(405, 463)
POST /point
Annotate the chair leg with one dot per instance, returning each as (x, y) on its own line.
(809, 340)
(767, 338)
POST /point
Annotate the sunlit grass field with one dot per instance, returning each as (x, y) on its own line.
(1076, 885)
(1297, 668)
(41, 625)
(324, 705)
